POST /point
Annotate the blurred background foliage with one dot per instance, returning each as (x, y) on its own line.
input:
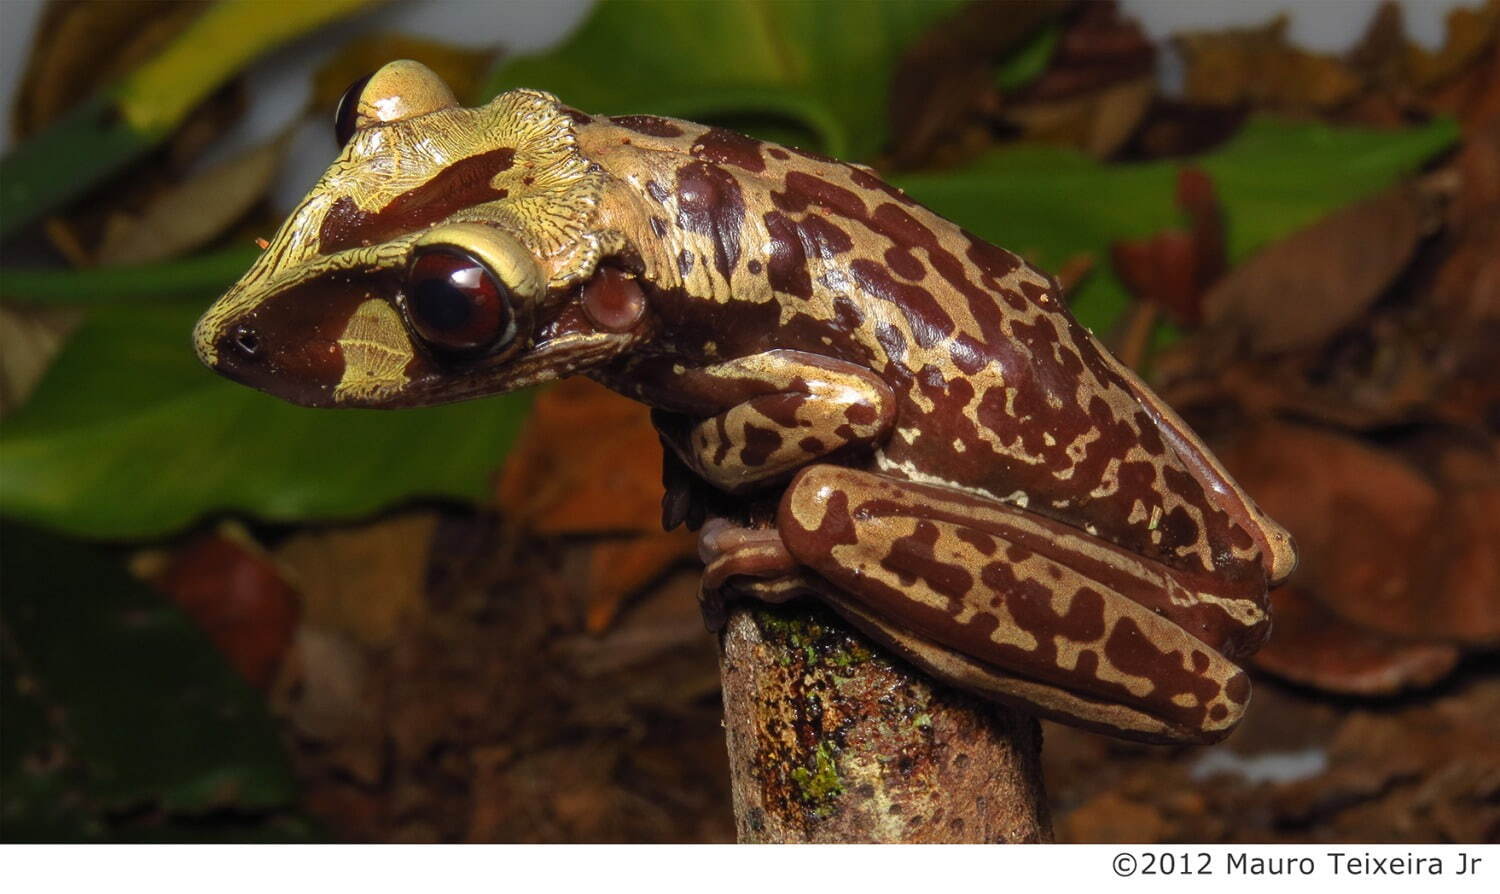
(1040, 126)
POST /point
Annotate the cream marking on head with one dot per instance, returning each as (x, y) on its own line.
(376, 351)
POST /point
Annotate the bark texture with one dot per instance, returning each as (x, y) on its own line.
(832, 740)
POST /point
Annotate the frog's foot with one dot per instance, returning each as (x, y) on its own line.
(741, 562)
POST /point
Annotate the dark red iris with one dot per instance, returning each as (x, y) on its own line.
(347, 114)
(455, 304)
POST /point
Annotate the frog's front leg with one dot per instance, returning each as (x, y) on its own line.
(754, 420)
(1015, 606)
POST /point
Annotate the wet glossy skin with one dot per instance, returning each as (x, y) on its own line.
(862, 401)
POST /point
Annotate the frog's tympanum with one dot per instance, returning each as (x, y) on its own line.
(861, 401)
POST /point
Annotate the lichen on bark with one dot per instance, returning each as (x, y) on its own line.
(832, 740)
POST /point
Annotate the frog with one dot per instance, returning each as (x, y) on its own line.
(860, 402)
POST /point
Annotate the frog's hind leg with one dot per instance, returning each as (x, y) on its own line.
(1017, 607)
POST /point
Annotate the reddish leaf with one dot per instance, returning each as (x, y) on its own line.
(1174, 268)
(238, 596)
(1313, 646)
(1381, 545)
(589, 461)
(620, 567)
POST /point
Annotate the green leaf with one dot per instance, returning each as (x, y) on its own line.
(129, 436)
(1051, 204)
(1028, 62)
(821, 68)
(150, 712)
(190, 277)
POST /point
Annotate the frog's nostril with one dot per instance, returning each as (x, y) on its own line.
(246, 340)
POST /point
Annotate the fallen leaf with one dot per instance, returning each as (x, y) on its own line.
(1098, 48)
(79, 45)
(1098, 123)
(1256, 66)
(1306, 286)
(1381, 55)
(945, 78)
(1314, 482)
(1313, 646)
(1474, 96)
(233, 590)
(1175, 129)
(328, 691)
(1381, 544)
(620, 567)
(29, 338)
(1096, 87)
(191, 213)
(366, 581)
(588, 461)
(1378, 756)
(1175, 267)
(82, 46)
(1471, 30)
(1111, 819)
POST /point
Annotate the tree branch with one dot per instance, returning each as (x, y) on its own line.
(830, 740)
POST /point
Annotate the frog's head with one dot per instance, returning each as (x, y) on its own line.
(448, 252)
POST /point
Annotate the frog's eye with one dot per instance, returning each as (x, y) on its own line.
(456, 305)
(346, 116)
(398, 90)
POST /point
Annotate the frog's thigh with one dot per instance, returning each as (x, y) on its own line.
(944, 577)
(784, 409)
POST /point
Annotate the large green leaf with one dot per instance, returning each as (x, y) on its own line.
(149, 715)
(1272, 178)
(772, 67)
(128, 436)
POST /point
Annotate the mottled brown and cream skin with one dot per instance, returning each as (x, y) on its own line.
(951, 461)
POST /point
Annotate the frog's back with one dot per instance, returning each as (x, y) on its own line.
(999, 390)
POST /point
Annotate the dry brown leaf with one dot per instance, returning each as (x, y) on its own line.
(1096, 88)
(29, 338)
(1314, 647)
(1257, 66)
(1111, 819)
(80, 45)
(365, 582)
(191, 213)
(1175, 129)
(620, 567)
(1380, 56)
(945, 78)
(329, 692)
(1303, 288)
(1384, 756)
(1098, 48)
(589, 461)
(1097, 123)
(1471, 31)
